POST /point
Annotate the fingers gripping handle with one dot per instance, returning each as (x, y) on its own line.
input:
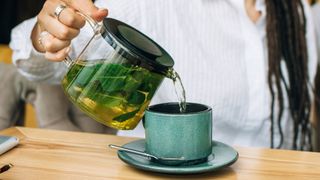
(96, 28)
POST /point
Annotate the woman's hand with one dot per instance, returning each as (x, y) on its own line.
(53, 33)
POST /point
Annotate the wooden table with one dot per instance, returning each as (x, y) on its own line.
(48, 154)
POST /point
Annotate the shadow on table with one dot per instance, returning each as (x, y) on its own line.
(225, 173)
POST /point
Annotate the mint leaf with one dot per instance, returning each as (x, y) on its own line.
(110, 101)
(137, 97)
(112, 84)
(84, 76)
(126, 116)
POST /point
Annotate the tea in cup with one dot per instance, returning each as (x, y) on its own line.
(171, 133)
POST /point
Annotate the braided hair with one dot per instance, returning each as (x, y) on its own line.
(286, 30)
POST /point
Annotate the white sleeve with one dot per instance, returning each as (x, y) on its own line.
(31, 63)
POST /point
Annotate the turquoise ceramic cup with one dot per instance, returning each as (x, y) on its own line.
(171, 134)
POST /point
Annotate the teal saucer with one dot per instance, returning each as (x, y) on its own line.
(222, 156)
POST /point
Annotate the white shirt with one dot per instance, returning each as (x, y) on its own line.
(316, 18)
(219, 53)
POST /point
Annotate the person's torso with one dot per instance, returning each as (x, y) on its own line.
(220, 56)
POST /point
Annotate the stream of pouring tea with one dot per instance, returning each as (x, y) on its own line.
(179, 89)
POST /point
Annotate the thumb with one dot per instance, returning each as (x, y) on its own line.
(87, 7)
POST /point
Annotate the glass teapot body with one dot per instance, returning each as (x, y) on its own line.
(115, 77)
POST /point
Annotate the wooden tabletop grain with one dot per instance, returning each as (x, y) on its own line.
(49, 154)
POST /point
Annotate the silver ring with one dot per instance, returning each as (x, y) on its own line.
(58, 10)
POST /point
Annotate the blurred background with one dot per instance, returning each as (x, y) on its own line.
(12, 13)
(15, 11)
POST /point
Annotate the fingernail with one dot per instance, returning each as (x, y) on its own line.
(102, 9)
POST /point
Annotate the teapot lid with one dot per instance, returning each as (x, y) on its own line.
(134, 43)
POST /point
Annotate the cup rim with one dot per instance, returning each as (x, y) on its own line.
(207, 108)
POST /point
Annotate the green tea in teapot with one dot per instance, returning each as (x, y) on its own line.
(116, 74)
(115, 95)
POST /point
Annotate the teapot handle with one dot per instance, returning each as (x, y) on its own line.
(96, 28)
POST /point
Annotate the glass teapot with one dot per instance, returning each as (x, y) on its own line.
(116, 75)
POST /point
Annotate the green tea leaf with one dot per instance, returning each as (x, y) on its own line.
(137, 97)
(112, 87)
(139, 73)
(112, 84)
(115, 70)
(92, 89)
(150, 84)
(135, 80)
(84, 75)
(110, 100)
(72, 73)
(96, 86)
(131, 84)
(114, 77)
(126, 116)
